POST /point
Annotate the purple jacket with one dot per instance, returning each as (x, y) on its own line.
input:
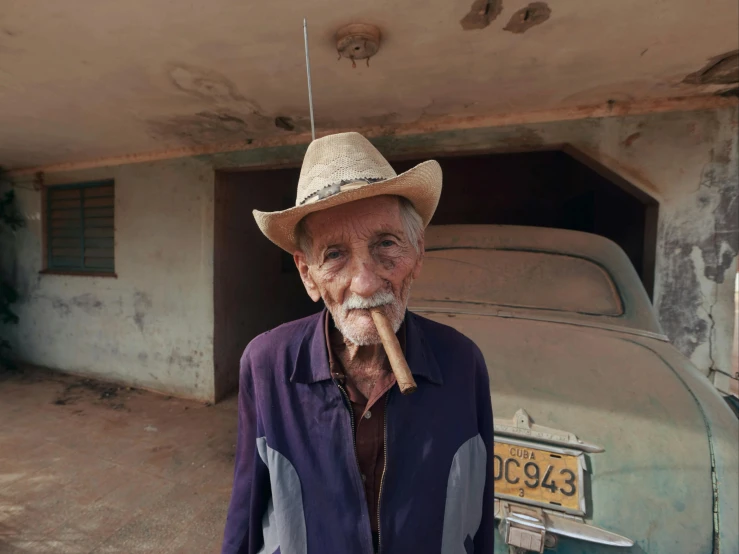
(297, 486)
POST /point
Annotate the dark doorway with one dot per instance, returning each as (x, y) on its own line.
(258, 288)
(256, 285)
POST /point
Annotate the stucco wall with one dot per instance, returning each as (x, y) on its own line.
(153, 326)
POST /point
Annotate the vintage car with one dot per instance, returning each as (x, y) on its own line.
(607, 439)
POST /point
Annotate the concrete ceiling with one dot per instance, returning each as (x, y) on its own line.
(87, 79)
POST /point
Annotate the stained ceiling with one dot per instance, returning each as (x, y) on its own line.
(85, 79)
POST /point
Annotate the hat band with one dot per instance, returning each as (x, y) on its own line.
(336, 188)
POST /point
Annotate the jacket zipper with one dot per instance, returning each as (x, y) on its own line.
(382, 478)
(351, 418)
(354, 438)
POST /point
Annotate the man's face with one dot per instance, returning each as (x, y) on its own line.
(360, 257)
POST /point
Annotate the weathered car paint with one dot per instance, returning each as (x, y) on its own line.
(653, 482)
(723, 427)
(669, 477)
(639, 313)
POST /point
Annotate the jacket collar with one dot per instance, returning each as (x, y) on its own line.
(311, 363)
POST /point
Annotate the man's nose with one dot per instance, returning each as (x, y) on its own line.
(365, 281)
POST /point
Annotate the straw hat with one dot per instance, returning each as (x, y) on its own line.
(342, 168)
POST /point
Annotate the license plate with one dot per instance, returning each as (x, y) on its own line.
(544, 476)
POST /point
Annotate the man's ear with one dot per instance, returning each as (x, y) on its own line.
(419, 261)
(301, 262)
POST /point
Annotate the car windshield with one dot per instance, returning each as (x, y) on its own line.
(515, 278)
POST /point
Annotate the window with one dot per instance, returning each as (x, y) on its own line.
(79, 227)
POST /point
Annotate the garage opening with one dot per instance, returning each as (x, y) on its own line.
(257, 286)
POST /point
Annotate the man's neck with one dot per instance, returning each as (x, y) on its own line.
(363, 365)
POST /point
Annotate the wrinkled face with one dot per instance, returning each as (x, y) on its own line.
(360, 257)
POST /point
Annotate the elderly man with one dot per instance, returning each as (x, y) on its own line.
(331, 458)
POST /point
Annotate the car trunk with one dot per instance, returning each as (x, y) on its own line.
(652, 483)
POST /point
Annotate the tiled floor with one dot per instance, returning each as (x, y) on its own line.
(86, 467)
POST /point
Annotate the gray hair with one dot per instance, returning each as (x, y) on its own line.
(412, 225)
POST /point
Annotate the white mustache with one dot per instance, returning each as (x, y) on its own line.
(356, 302)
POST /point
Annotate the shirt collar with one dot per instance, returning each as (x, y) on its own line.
(312, 362)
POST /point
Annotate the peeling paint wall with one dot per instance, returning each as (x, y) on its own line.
(700, 241)
(152, 326)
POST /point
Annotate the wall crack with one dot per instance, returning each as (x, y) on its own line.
(712, 332)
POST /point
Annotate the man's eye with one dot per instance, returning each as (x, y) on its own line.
(333, 255)
(387, 243)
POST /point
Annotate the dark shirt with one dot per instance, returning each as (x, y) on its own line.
(369, 423)
(297, 487)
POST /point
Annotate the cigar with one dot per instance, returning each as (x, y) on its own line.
(394, 353)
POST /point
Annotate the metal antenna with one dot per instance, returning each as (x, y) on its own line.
(310, 89)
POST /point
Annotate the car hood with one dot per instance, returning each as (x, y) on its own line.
(653, 482)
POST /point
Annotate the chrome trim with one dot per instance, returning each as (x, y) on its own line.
(538, 504)
(521, 426)
(585, 532)
(535, 521)
(524, 530)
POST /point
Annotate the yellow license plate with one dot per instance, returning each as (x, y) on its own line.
(552, 479)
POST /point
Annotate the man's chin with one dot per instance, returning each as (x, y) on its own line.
(361, 335)
(358, 321)
(359, 329)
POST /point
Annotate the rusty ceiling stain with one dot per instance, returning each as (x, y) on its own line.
(202, 83)
(720, 70)
(433, 124)
(534, 14)
(230, 116)
(481, 14)
(631, 138)
(206, 127)
(286, 123)
(181, 68)
(524, 139)
(732, 92)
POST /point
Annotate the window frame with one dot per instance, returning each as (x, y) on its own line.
(48, 267)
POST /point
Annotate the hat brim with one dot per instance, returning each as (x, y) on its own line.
(420, 184)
